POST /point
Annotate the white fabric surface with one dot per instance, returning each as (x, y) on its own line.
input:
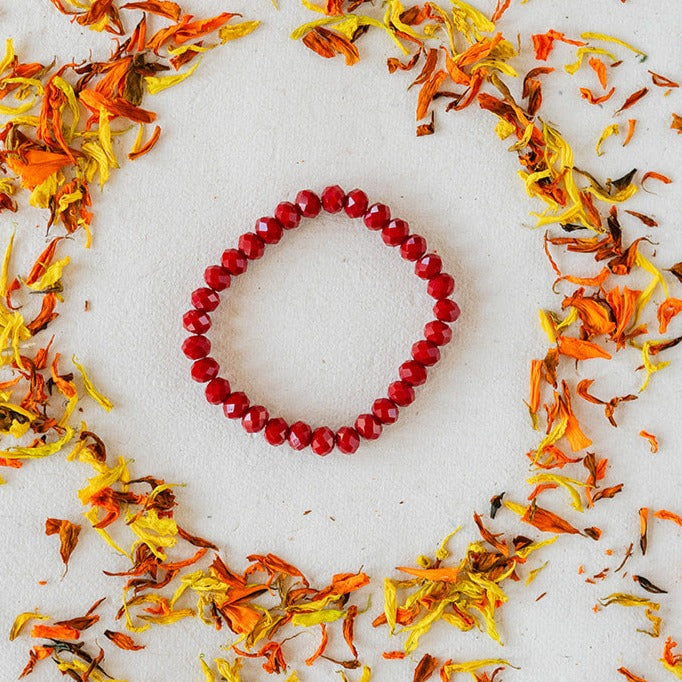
(318, 328)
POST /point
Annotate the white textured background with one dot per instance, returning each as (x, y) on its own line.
(318, 329)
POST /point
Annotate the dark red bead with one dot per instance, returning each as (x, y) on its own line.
(441, 286)
(269, 229)
(347, 440)
(333, 199)
(236, 405)
(195, 347)
(204, 370)
(308, 203)
(276, 431)
(396, 232)
(356, 203)
(438, 332)
(401, 393)
(217, 277)
(385, 411)
(413, 248)
(205, 299)
(251, 245)
(196, 321)
(234, 261)
(323, 441)
(368, 426)
(377, 216)
(446, 310)
(300, 435)
(412, 373)
(255, 419)
(428, 266)
(425, 353)
(217, 391)
(288, 215)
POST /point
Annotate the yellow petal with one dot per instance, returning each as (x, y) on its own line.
(588, 35)
(20, 109)
(472, 666)
(39, 450)
(442, 552)
(650, 366)
(97, 161)
(5, 265)
(156, 84)
(43, 193)
(580, 54)
(92, 516)
(525, 551)
(390, 604)
(72, 102)
(525, 139)
(547, 325)
(234, 31)
(613, 129)
(106, 478)
(229, 671)
(170, 618)
(504, 129)
(9, 55)
(570, 484)
(21, 620)
(155, 532)
(307, 620)
(51, 276)
(90, 388)
(209, 675)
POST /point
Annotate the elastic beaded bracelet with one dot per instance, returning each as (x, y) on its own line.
(251, 246)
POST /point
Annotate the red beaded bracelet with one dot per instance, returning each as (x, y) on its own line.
(251, 246)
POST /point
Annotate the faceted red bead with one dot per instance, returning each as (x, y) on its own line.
(441, 286)
(204, 370)
(401, 393)
(333, 199)
(251, 245)
(195, 347)
(205, 299)
(308, 203)
(438, 332)
(428, 266)
(323, 441)
(413, 373)
(255, 419)
(234, 261)
(347, 440)
(196, 321)
(396, 232)
(385, 411)
(217, 391)
(288, 215)
(236, 405)
(276, 431)
(368, 426)
(356, 203)
(300, 435)
(269, 229)
(446, 310)
(426, 353)
(377, 216)
(413, 248)
(217, 277)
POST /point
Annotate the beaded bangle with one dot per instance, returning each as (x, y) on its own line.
(251, 246)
